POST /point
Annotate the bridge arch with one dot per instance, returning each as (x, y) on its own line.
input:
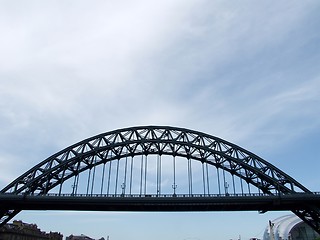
(160, 141)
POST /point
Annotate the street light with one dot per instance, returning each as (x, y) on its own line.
(123, 186)
(174, 186)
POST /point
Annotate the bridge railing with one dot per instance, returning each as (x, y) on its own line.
(158, 195)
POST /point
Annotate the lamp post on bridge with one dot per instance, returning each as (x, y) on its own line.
(174, 187)
(123, 186)
(226, 186)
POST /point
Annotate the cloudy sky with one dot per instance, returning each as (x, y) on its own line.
(247, 72)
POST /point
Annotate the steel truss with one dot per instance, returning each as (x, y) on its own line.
(157, 140)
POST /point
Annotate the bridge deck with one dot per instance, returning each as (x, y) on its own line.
(253, 202)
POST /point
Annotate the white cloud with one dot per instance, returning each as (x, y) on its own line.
(245, 72)
(73, 70)
(11, 168)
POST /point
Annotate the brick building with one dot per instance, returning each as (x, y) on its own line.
(19, 230)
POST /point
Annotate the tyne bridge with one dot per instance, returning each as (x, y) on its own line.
(157, 168)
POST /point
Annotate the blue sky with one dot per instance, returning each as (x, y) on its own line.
(247, 72)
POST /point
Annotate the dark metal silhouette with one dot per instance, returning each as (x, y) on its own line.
(118, 166)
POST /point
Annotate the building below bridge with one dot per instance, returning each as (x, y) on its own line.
(81, 237)
(289, 227)
(25, 231)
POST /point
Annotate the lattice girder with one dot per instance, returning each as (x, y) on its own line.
(158, 140)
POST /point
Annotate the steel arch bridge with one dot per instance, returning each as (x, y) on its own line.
(157, 168)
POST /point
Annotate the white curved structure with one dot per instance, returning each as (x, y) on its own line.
(289, 227)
